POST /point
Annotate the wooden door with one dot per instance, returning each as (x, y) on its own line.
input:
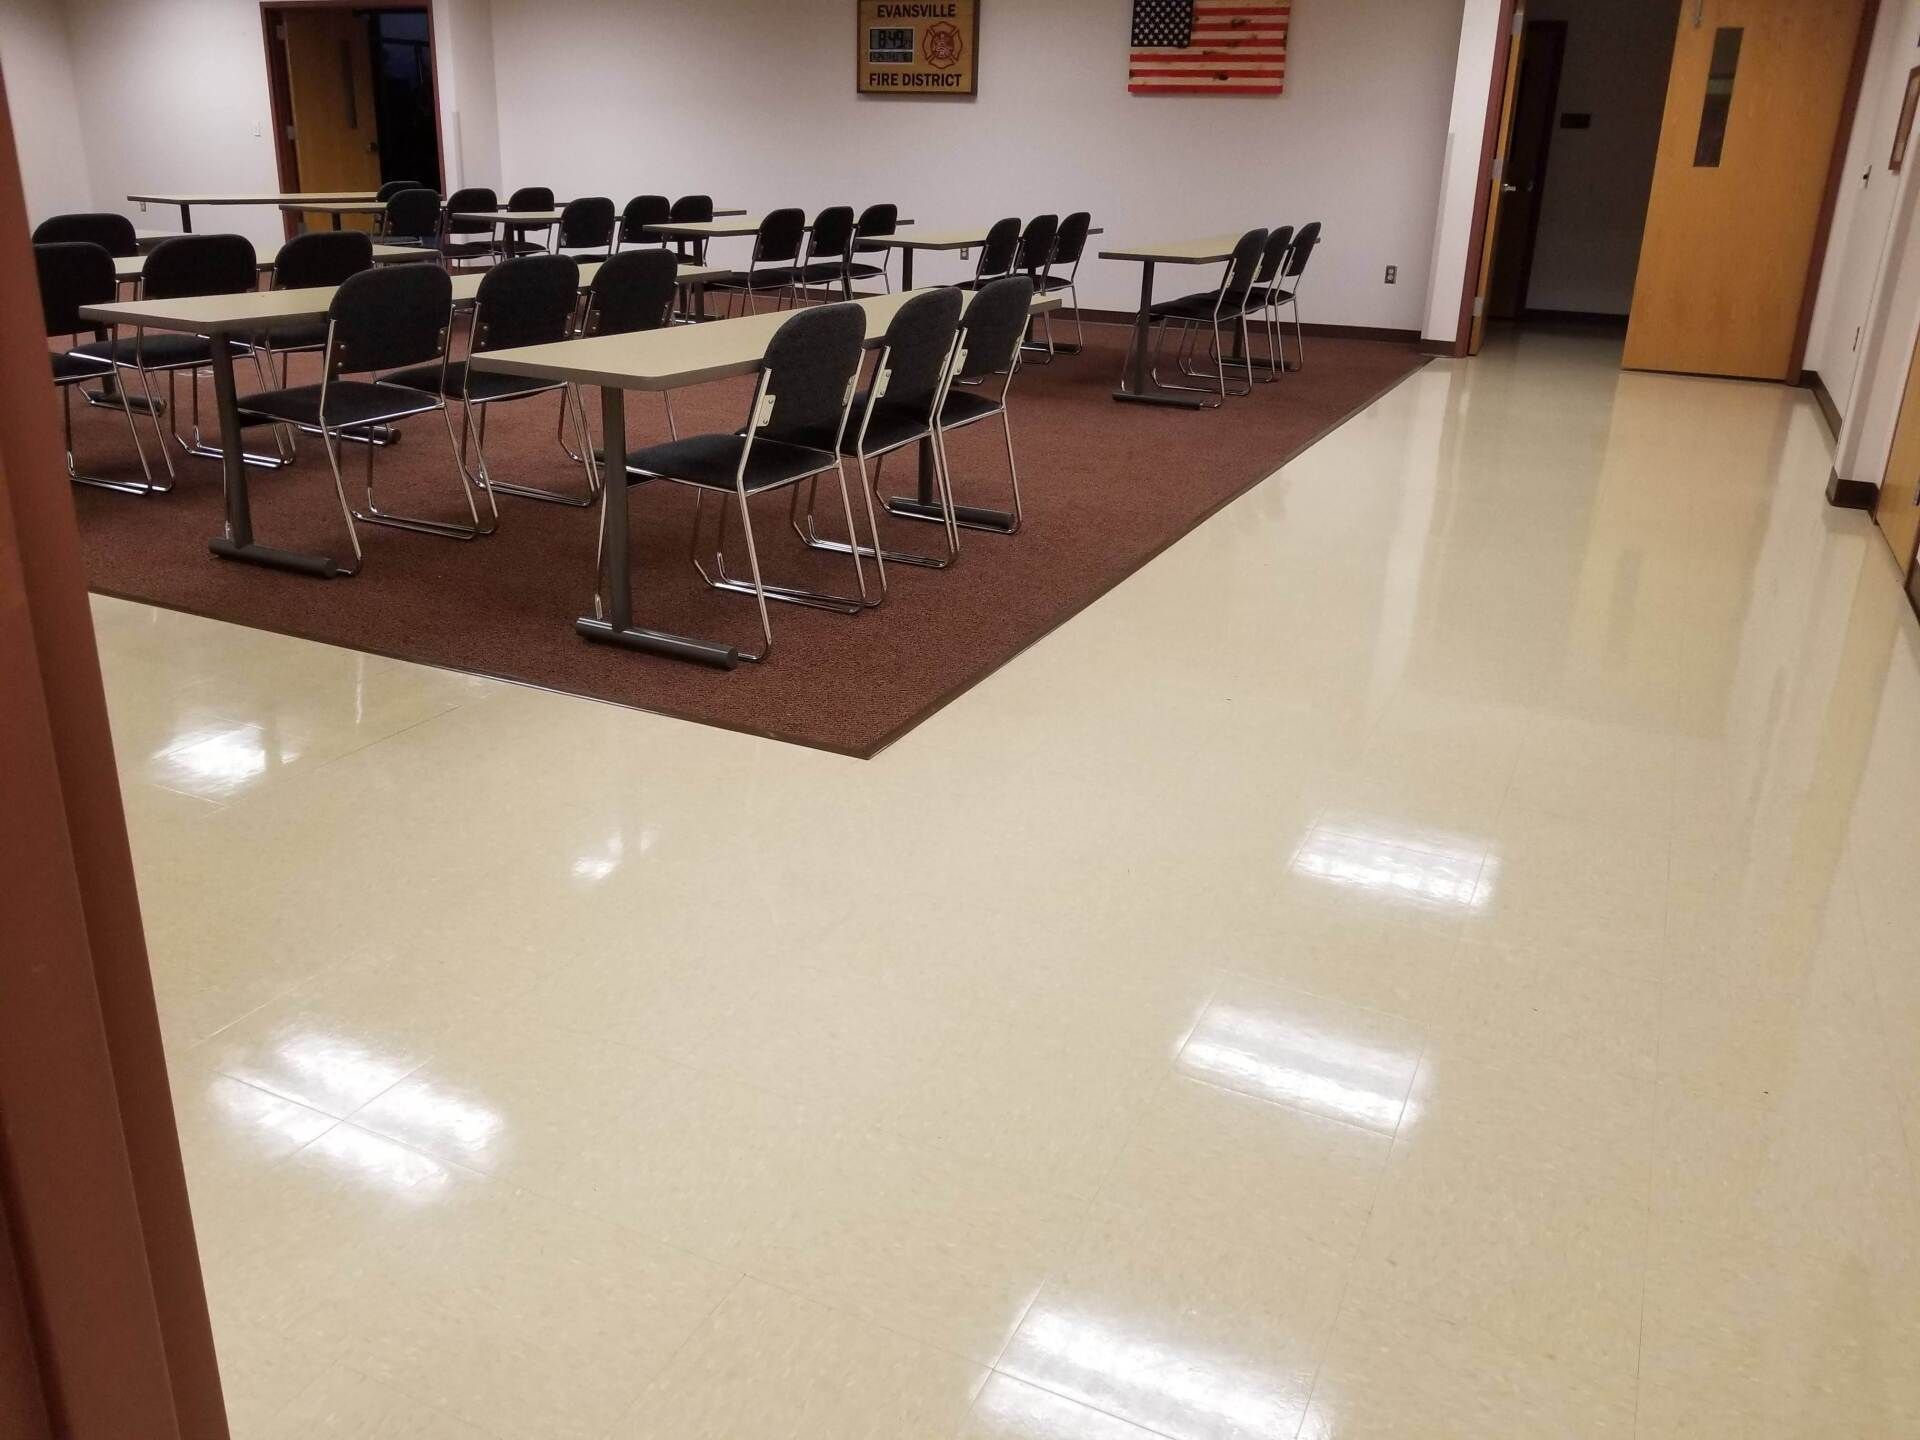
(1535, 99)
(1898, 509)
(1754, 102)
(336, 135)
(1496, 180)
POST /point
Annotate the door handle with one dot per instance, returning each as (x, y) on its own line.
(1508, 188)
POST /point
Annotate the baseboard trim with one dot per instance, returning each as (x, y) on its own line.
(1448, 348)
(1830, 412)
(1851, 494)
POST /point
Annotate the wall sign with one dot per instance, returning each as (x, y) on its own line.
(917, 47)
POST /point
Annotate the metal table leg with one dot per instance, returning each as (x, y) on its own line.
(186, 218)
(616, 563)
(238, 543)
(926, 504)
(906, 267)
(1135, 387)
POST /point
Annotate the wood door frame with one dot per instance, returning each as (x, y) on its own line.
(280, 98)
(1528, 244)
(1489, 142)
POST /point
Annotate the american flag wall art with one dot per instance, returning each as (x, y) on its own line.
(1208, 47)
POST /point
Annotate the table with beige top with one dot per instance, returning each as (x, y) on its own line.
(337, 209)
(132, 267)
(241, 317)
(658, 361)
(726, 225)
(295, 199)
(1136, 383)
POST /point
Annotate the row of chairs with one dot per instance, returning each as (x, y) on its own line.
(1263, 274)
(394, 325)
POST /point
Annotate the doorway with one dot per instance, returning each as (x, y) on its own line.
(352, 91)
(1587, 98)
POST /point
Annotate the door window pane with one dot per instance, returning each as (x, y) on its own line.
(1719, 101)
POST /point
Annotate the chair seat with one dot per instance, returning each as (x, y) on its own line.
(963, 407)
(1197, 307)
(980, 282)
(487, 384)
(468, 249)
(1047, 284)
(310, 335)
(713, 460)
(69, 367)
(157, 351)
(770, 277)
(857, 271)
(892, 424)
(1268, 295)
(521, 247)
(349, 403)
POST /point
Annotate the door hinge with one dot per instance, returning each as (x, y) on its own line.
(1519, 23)
(1479, 306)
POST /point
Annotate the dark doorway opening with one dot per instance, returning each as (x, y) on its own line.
(401, 42)
(1524, 183)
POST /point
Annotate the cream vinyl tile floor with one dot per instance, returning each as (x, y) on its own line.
(1433, 955)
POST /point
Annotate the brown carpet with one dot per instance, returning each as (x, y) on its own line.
(1107, 487)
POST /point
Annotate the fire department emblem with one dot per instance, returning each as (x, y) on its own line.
(942, 46)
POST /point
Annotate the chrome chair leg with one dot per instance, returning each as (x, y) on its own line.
(125, 487)
(719, 579)
(346, 510)
(374, 515)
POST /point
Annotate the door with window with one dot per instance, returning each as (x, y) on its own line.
(1754, 102)
(1898, 508)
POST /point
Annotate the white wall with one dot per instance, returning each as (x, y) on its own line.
(1469, 91)
(753, 100)
(464, 79)
(35, 58)
(1857, 245)
(1618, 56)
(180, 91)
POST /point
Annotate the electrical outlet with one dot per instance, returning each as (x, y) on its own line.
(256, 129)
(143, 210)
(1393, 274)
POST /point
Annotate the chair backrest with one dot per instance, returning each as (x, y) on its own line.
(692, 208)
(414, 213)
(1036, 244)
(472, 199)
(1001, 247)
(778, 239)
(112, 233)
(322, 257)
(642, 211)
(810, 367)
(832, 235)
(393, 187)
(1242, 266)
(187, 265)
(1279, 241)
(1303, 247)
(73, 273)
(995, 323)
(878, 220)
(1070, 243)
(918, 343)
(390, 316)
(528, 301)
(531, 197)
(632, 291)
(587, 223)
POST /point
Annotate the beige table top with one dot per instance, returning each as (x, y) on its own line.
(132, 267)
(1206, 251)
(340, 207)
(939, 239)
(510, 217)
(253, 197)
(248, 312)
(718, 229)
(680, 354)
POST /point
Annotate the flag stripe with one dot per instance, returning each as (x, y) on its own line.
(1208, 47)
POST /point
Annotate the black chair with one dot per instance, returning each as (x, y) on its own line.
(874, 220)
(320, 257)
(1069, 244)
(513, 238)
(74, 273)
(793, 432)
(1260, 297)
(1034, 260)
(412, 218)
(179, 268)
(642, 211)
(693, 210)
(386, 193)
(900, 408)
(112, 233)
(587, 225)
(829, 253)
(474, 200)
(775, 262)
(1228, 305)
(997, 254)
(991, 332)
(381, 320)
(525, 301)
(1288, 291)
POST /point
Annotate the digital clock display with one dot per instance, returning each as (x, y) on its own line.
(890, 46)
